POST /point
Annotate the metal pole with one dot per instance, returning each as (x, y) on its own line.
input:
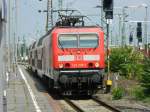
(119, 28)
(51, 11)
(60, 4)
(109, 82)
(145, 35)
(16, 24)
(14, 34)
(9, 63)
(123, 26)
(49, 21)
(47, 17)
(102, 13)
(108, 63)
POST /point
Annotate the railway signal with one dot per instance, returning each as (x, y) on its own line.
(108, 8)
(139, 32)
(131, 38)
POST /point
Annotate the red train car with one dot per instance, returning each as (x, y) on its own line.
(70, 58)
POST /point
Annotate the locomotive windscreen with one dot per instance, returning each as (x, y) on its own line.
(78, 40)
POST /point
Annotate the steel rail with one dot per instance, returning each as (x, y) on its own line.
(77, 108)
(105, 104)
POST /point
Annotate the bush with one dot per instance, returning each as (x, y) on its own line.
(117, 93)
(145, 80)
(138, 93)
(127, 62)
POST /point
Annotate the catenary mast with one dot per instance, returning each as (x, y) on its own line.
(49, 22)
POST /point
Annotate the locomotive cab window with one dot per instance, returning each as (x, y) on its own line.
(67, 41)
(88, 41)
(78, 41)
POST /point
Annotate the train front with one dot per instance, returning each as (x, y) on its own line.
(79, 58)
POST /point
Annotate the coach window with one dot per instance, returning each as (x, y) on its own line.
(36, 55)
(67, 41)
(88, 40)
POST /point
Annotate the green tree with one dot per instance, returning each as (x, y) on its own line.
(127, 62)
(145, 80)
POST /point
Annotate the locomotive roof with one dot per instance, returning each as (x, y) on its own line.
(30, 47)
(42, 38)
(40, 41)
(33, 46)
(78, 27)
(70, 27)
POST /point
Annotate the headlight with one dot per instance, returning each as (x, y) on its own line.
(96, 64)
(61, 65)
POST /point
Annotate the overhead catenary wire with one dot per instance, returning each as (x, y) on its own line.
(81, 13)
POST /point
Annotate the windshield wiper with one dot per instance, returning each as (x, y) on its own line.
(60, 45)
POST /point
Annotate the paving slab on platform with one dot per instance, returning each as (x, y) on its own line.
(1, 81)
(19, 99)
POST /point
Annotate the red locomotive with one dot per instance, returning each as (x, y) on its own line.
(70, 58)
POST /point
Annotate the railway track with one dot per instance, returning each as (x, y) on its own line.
(73, 105)
(90, 105)
(105, 105)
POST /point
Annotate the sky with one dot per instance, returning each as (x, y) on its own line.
(31, 24)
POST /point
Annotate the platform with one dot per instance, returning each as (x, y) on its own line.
(23, 95)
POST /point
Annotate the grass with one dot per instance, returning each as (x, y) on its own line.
(147, 100)
(138, 93)
(117, 93)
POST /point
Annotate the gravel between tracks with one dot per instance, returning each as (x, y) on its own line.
(90, 106)
(124, 104)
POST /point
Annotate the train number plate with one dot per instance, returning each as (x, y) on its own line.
(79, 57)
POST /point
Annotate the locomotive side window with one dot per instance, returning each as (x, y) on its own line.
(88, 40)
(68, 41)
